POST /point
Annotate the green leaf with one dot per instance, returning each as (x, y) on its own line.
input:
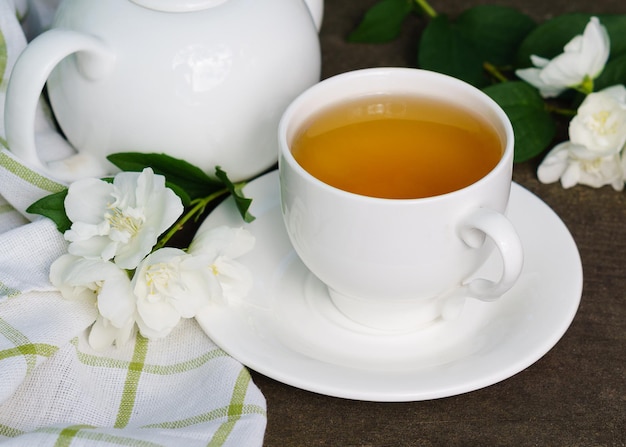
(243, 203)
(180, 175)
(615, 25)
(548, 39)
(444, 49)
(495, 31)
(483, 34)
(614, 73)
(382, 22)
(53, 207)
(184, 197)
(533, 125)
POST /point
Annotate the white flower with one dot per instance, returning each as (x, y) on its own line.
(103, 333)
(107, 286)
(582, 61)
(169, 285)
(222, 245)
(573, 164)
(120, 220)
(600, 122)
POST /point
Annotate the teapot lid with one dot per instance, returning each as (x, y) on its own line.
(178, 5)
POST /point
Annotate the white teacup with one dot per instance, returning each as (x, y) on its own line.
(399, 264)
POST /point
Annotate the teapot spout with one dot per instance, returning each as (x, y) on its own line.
(316, 7)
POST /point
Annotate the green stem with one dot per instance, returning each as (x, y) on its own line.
(585, 87)
(560, 111)
(494, 71)
(198, 206)
(425, 6)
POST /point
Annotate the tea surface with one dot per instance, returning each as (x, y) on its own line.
(397, 147)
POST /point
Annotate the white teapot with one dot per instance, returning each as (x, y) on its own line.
(201, 80)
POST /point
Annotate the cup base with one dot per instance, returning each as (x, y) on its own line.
(391, 315)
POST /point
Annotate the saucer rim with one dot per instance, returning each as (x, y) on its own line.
(293, 368)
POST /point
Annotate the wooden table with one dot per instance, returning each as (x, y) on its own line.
(575, 395)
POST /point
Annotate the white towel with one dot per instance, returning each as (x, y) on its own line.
(182, 390)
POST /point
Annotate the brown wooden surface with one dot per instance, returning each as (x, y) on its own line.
(573, 396)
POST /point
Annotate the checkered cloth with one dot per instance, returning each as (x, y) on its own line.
(54, 389)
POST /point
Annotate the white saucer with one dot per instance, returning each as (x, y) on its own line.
(288, 329)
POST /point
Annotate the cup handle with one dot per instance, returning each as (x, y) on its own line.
(486, 222)
(30, 72)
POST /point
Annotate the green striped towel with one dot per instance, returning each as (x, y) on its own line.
(55, 390)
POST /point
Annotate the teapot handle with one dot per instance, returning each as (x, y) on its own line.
(316, 8)
(30, 72)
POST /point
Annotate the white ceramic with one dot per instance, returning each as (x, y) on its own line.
(288, 329)
(202, 80)
(399, 264)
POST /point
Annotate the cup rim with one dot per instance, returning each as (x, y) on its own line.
(310, 94)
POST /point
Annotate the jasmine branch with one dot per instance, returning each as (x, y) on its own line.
(198, 207)
(426, 8)
(494, 71)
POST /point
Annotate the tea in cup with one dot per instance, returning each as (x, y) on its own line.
(394, 185)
